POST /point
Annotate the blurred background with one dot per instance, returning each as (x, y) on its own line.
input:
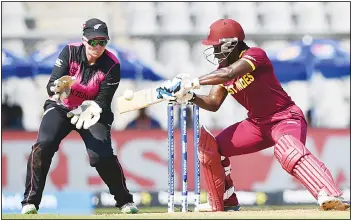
(308, 43)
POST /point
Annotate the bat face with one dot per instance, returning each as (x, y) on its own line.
(141, 99)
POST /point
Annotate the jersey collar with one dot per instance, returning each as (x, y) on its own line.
(241, 53)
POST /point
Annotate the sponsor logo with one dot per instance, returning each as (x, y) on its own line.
(13, 201)
(249, 57)
(111, 84)
(58, 62)
(149, 153)
(68, 202)
(74, 68)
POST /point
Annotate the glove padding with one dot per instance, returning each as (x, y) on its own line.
(178, 87)
(62, 87)
(185, 99)
(183, 76)
(168, 89)
(86, 115)
(188, 85)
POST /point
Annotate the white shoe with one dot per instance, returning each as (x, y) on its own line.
(204, 207)
(29, 209)
(327, 202)
(129, 208)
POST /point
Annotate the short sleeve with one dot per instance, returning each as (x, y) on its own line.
(256, 57)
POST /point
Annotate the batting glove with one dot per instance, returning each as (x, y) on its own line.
(187, 84)
(186, 98)
(168, 89)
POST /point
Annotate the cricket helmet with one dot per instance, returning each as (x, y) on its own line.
(225, 33)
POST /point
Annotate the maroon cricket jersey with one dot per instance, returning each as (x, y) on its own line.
(259, 91)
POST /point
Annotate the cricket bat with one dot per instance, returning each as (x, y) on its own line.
(141, 99)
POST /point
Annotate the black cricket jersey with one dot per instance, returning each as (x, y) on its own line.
(96, 82)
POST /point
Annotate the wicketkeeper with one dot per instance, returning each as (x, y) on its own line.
(81, 87)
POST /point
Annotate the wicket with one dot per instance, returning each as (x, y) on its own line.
(184, 151)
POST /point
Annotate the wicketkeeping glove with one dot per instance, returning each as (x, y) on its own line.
(62, 87)
(86, 115)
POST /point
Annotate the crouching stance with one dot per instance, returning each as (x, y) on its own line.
(274, 119)
(214, 174)
(293, 156)
(298, 161)
(81, 87)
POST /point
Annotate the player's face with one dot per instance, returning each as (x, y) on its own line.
(223, 57)
(217, 52)
(215, 55)
(95, 47)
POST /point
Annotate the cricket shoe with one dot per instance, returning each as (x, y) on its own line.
(331, 202)
(29, 209)
(231, 204)
(129, 208)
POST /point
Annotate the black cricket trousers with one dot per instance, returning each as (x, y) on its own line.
(53, 128)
